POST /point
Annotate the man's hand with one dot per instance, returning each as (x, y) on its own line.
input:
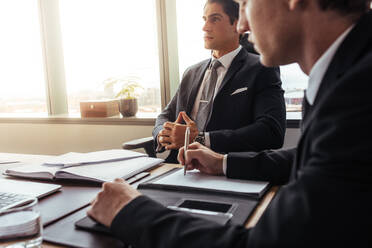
(201, 158)
(113, 197)
(172, 136)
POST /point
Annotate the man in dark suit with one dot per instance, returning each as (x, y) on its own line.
(246, 111)
(325, 201)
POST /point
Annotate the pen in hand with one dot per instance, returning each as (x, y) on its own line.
(187, 136)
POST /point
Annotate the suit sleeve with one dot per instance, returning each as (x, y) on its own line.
(170, 112)
(268, 129)
(145, 223)
(272, 166)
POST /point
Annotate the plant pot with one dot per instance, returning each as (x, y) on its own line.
(128, 107)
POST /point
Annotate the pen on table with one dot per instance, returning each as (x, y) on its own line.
(187, 136)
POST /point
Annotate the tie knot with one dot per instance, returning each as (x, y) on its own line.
(215, 64)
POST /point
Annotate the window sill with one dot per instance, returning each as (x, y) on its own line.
(142, 119)
(294, 119)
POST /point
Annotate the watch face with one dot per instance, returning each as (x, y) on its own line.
(200, 139)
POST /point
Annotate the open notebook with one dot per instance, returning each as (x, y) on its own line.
(96, 172)
(197, 181)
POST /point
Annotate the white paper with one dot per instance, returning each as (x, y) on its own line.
(108, 171)
(3, 161)
(196, 179)
(33, 171)
(74, 158)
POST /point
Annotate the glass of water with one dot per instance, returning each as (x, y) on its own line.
(21, 226)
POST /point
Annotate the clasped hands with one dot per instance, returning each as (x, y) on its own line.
(172, 136)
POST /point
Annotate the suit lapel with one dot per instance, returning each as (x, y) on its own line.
(349, 52)
(236, 64)
(195, 86)
(306, 107)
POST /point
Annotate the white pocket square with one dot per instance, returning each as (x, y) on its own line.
(239, 90)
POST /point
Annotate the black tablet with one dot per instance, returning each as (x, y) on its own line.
(89, 224)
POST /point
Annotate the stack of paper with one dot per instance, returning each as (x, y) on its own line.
(76, 158)
(19, 224)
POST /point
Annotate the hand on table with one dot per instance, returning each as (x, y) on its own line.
(113, 197)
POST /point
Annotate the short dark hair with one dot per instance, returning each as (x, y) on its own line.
(345, 6)
(230, 7)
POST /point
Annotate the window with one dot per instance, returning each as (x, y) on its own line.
(110, 39)
(22, 80)
(191, 51)
(294, 83)
(190, 34)
(55, 54)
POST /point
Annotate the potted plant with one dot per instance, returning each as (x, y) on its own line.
(128, 89)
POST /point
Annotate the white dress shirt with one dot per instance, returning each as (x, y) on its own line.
(225, 61)
(320, 67)
(316, 75)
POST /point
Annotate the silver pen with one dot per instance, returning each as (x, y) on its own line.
(187, 137)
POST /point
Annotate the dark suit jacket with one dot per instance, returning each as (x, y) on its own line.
(252, 120)
(327, 199)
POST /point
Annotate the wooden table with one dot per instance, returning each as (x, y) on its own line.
(157, 171)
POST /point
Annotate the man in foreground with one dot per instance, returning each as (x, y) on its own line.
(328, 178)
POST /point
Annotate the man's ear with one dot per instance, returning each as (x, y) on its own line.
(235, 24)
(295, 4)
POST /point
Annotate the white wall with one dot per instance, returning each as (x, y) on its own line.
(52, 139)
(55, 139)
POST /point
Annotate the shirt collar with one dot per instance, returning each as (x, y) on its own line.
(227, 59)
(320, 67)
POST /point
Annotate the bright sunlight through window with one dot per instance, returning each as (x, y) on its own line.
(22, 80)
(105, 39)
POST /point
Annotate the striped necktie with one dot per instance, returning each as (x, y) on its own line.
(206, 100)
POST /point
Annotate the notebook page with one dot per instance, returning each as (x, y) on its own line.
(3, 161)
(33, 171)
(74, 158)
(108, 171)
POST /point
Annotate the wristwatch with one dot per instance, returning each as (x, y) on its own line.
(200, 138)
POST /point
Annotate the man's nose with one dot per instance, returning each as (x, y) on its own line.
(206, 27)
(243, 25)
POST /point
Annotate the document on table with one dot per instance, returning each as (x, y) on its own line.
(6, 161)
(76, 158)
